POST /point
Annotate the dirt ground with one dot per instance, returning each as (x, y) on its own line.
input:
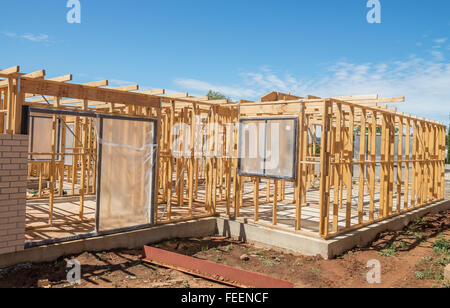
(413, 257)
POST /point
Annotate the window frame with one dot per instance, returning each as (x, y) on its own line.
(58, 138)
(266, 120)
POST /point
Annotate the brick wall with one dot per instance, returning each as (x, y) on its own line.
(13, 185)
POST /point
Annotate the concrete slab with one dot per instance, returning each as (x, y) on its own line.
(328, 249)
(127, 240)
(272, 238)
(296, 242)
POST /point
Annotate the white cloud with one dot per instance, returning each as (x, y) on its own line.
(441, 40)
(29, 36)
(10, 34)
(35, 38)
(424, 83)
(439, 56)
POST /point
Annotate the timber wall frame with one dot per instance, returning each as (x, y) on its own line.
(203, 183)
(424, 165)
(19, 90)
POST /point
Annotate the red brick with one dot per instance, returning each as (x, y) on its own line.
(8, 203)
(9, 226)
(11, 142)
(8, 238)
(10, 154)
(17, 184)
(16, 231)
(19, 148)
(8, 214)
(22, 172)
(5, 136)
(13, 190)
(21, 224)
(10, 178)
(7, 250)
(21, 195)
(15, 207)
(10, 166)
(19, 161)
(16, 219)
(21, 137)
(17, 242)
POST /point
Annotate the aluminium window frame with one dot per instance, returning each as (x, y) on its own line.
(293, 175)
(58, 138)
(26, 112)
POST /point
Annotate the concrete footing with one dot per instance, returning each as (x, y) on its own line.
(265, 236)
(330, 248)
(127, 240)
(364, 236)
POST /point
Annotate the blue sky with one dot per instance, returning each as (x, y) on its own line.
(242, 48)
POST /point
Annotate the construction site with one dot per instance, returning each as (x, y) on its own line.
(90, 168)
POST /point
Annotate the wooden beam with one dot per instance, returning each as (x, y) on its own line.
(312, 97)
(37, 74)
(127, 88)
(101, 83)
(11, 70)
(83, 92)
(358, 97)
(199, 98)
(177, 95)
(154, 92)
(215, 101)
(101, 104)
(58, 79)
(89, 84)
(278, 96)
(64, 78)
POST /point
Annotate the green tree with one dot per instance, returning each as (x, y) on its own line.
(213, 96)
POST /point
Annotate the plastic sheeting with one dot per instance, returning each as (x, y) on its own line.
(126, 183)
(252, 147)
(378, 156)
(41, 137)
(69, 144)
(280, 155)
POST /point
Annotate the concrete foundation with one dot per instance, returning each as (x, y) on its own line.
(328, 249)
(127, 240)
(265, 236)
